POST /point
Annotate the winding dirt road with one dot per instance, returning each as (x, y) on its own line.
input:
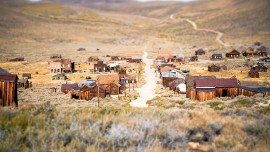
(219, 34)
(147, 91)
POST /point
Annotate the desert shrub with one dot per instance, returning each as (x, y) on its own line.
(217, 105)
(265, 110)
(243, 103)
(180, 102)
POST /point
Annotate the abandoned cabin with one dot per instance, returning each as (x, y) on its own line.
(134, 59)
(62, 66)
(252, 90)
(8, 88)
(101, 66)
(200, 52)
(27, 76)
(24, 83)
(59, 77)
(115, 58)
(250, 52)
(208, 89)
(214, 68)
(88, 93)
(168, 77)
(93, 59)
(66, 88)
(260, 68)
(216, 56)
(56, 56)
(193, 58)
(178, 86)
(176, 58)
(113, 82)
(232, 54)
(253, 73)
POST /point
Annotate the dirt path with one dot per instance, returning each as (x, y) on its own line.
(219, 34)
(147, 91)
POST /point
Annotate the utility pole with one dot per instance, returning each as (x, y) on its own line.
(98, 90)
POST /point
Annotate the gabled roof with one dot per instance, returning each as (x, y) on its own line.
(190, 80)
(6, 76)
(219, 83)
(232, 51)
(70, 87)
(108, 79)
(255, 88)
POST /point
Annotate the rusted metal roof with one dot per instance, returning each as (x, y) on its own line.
(6, 76)
(108, 79)
(217, 83)
(70, 87)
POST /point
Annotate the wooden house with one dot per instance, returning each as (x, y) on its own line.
(134, 58)
(250, 52)
(200, 52)
(167, 80)
(27, 76)
(59, 77)
(8, 88)
(252, 90)
(93, 59)
(190, 83)
(122, 71)
(208, 89)
(176, 58)
(24, 83)
(62, 66)
(115, 88)
(101, 66)
(253, 73)
(88, 93)
(56, 56)
(113, 67)
(193, 58)
(19, 59)
(232, 54)
(214, 68)
(66, 88)
(260, 68)
(175, 83)
(216, 56)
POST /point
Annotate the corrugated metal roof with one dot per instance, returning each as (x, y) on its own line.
(255, 89)
(220, 83)
(70, 87)
(6, 76)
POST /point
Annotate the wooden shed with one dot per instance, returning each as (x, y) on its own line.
(253, 73)
(208, 89)
(200, 52)
(214, 68)
(24, 83)
(252, 90)
(216, 56)
(27, 76)
(250, 52)
(93, 59)
(232, 54)
(66, 88)
(8, 88)
(194, 58)
(167, 80)
(56, 56)
(19, 59)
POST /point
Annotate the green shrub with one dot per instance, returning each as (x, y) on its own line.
(243, 103)
(265, 110)
(181, 102)
(218, 105)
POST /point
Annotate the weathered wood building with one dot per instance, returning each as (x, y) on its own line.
(27, 75)
(200, 52)
(8, 88)
(93, 59)
(216, 56)
(214, 68)
(101, 66)
(253, 73)
(66, 88)
(56, 56)
(62, 66)
(24, 83)
(232, 54)
(252, 90)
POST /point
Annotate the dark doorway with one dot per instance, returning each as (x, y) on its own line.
(224, 93)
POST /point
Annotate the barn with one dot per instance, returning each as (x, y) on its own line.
(8, 88)
(65, 88)
(208, 89)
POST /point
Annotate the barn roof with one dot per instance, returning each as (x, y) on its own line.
(190, 80)
(70, 87)
(219, 83)
(232, 51)
(108, 79)
(6, 76)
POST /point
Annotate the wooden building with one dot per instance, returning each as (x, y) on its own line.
(115, 58)
(59, 77)
(200, 52)
(265, 59)
(216, 56)
(62, 66)
(24, 83)
(214, 68)
(167, 80)
(250, 52)
(101, 66)
(8, 88)
(93, 59)
(232, 54)
(56, 56)
(253, 73)
(88, 93)
(252, 90)
(208, 89)
(27, 76)
(81, 49)
(193, 58)
(66, 88)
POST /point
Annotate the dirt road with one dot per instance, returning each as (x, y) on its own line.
(219, 34)
(147, 91)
